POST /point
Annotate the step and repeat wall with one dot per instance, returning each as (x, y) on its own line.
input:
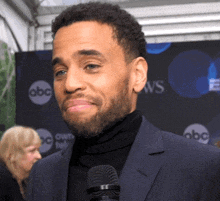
(182, 94)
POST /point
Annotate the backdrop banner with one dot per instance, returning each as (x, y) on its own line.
(182, 94)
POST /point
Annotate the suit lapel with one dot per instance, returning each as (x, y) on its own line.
(143, 163)
(61, 175)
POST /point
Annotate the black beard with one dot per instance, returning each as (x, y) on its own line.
(119, 108)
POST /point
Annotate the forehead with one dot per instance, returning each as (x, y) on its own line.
(84, 35)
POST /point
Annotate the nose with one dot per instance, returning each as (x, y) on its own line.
(38, 156)
(74, 81)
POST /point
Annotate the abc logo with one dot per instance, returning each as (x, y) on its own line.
(197, 132)
(46, 140)
(40, 92)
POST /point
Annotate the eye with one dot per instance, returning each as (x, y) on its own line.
(92, 68)
(33, 150)
(59, 73)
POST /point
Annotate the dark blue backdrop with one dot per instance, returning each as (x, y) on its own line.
(182, 94)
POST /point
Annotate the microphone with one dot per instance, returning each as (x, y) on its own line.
(103, 183)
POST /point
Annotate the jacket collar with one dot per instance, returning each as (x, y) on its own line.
(143, 163)
(62, 169)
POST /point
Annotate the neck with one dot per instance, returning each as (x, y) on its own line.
(116, 140)
(111, 136)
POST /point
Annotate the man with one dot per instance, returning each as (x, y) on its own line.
(99, 65)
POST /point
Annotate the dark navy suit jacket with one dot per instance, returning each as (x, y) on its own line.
(161, 166)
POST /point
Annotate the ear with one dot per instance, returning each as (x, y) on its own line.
(140, 68)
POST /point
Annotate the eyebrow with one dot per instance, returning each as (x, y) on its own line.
(55, 61)
(91, 52)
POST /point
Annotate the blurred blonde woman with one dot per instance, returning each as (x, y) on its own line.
(19, 150)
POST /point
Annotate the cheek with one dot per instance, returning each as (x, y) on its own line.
(108, 84)
(30, 158)
(58, 91)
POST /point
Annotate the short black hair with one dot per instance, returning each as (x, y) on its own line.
(126, 29)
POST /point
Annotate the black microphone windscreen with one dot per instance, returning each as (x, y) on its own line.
(103, 181)
(102, 174)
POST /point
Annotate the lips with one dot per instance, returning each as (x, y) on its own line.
(76, 105)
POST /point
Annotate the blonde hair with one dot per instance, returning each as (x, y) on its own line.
(12, 145)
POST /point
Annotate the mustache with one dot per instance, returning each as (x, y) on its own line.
(93, 100)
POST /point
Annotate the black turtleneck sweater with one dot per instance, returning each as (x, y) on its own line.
(109, 148)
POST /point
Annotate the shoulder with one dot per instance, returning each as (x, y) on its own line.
(9, 189)
(175, 141)
(43, 170)
(48, 161)
(51, 162)
(62, 155)
(5, 175)
(179, 148)
(189, 147)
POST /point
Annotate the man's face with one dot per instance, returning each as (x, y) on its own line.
(92, 81)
